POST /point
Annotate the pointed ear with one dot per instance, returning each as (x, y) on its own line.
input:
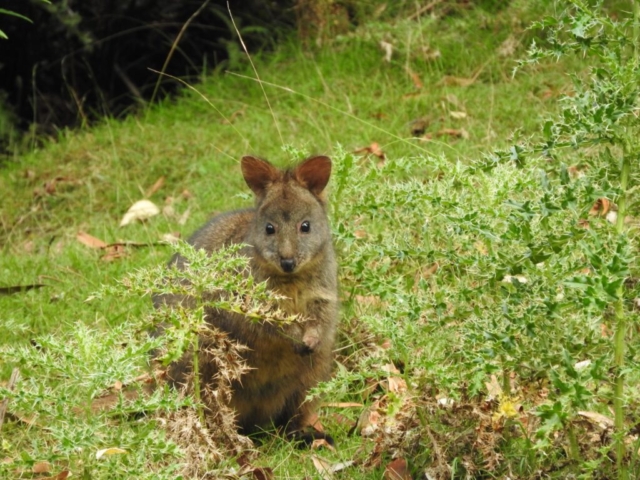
(314, 174)
(258, 174)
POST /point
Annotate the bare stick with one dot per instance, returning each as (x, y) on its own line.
(15, 376)
(175, 44)
(275, 121)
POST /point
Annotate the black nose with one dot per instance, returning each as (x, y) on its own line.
(288, 264)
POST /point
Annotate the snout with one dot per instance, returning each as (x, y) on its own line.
(288, 264)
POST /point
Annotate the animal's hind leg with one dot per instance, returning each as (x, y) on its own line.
(299, 427)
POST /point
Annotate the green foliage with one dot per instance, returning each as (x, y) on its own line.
(603, 113)
(4, 11)
(484, 281)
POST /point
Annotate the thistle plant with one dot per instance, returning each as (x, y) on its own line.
(601, 115)
(203, 282)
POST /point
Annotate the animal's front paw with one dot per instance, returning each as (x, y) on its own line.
(311, 339)
(310, 342)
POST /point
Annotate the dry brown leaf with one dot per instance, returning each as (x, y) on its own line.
(601, 207)
(368, 300)
(389, 368)
(41, 467)
(373, 149)
(155, 187)
(62, 475)
(598, 419)
(147, 378)
(141, 210)
(322, 466)
(458, 115)
(430, 54)
(50, 186)
(114, 252)
(319, 443)
(396, 385)
(446, 402)
(582, 364)
(182, 219)
(397, 470)
(90, 241)
(388, 50)
(453, 132)
(117, 386)
(314, 422)
(368, 421)
(171, 237)
(508, 47)
(576, 171)
(454, 100)
(494, 389)
(360, 234)
(259, 473)
(167, 209)
(429, 271)
(326, 469)
(28, 246)
(415, 78)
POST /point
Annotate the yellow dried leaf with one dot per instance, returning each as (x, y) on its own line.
(458, 115)
(141, 210)
(109, 451)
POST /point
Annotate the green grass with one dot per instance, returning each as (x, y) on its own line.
(333, 100)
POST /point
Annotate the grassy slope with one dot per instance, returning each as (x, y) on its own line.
(350, 96)
(108, 167)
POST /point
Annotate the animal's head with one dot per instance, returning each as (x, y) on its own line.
(291, 226)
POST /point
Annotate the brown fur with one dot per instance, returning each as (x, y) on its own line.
(284, 364)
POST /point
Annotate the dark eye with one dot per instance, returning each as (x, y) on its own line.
(305, 227)
(270, 229)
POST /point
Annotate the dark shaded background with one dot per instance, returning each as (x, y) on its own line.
(81, 59)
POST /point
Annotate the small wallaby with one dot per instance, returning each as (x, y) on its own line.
(289, 245)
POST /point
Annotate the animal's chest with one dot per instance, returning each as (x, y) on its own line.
(295, 298)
